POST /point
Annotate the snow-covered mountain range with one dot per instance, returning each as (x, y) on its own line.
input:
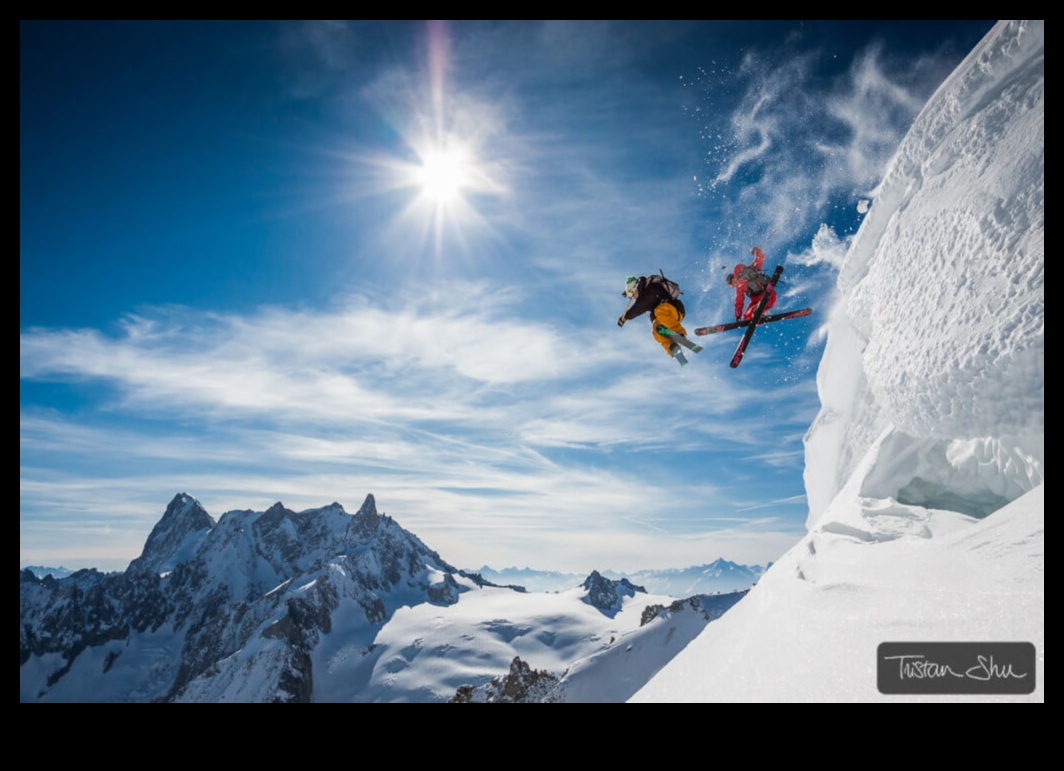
(321, 605)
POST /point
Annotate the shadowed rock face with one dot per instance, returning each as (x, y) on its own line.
(244, 599)
(606, 594)
(521, 685)
(711, 607)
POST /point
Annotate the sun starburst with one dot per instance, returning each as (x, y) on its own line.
(455, 156)
(443, 175)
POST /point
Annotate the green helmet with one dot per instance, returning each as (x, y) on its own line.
(631, 284)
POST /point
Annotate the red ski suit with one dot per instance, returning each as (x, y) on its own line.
(742, 288)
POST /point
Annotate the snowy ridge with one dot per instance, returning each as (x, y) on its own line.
(925, 467)
(616, 672)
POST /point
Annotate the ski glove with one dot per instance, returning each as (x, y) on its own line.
(620, 321)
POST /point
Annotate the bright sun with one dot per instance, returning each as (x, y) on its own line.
(442, 175)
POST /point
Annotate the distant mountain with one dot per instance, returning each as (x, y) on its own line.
(40, 571)
(532, 580)
(718, 576)
(318, 605)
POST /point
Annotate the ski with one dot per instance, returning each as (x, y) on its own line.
(756, 318)
(693, 346)
(713, 329)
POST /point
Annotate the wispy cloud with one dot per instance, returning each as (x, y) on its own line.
(314, 365)
(317, 54)
(427, 367)
(313, 406)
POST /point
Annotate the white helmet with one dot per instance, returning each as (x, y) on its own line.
(631, 286)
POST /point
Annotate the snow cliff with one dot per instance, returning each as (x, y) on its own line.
(939, 340)
(925, 467)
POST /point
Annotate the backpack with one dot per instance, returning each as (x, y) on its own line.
(671, 288)
(756, 281)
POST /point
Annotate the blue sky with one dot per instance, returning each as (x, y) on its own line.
(240, 278)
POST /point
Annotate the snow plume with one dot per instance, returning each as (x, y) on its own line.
(874, 106)
(826, 249)
(925, 466)
(795, 112)
(758, 125)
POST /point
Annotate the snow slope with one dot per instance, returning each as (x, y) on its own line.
(925, 467)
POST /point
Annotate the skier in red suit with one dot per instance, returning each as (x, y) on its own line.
(750, 281)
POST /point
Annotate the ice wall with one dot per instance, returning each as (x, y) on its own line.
(936, 353)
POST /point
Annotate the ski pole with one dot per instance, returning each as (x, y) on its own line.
(775, 229)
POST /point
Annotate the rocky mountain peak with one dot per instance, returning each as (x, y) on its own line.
(367, 520)
(606, 594)
(175, 537)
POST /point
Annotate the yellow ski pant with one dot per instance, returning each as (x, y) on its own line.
(667, 316)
